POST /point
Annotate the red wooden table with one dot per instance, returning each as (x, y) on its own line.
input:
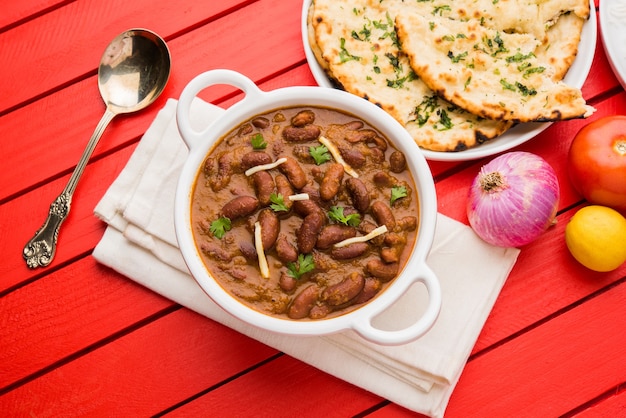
(76, 338)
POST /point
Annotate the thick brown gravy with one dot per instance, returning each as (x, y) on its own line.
(308, 276)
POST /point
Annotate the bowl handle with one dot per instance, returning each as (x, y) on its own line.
(415, 330)
(199, 83)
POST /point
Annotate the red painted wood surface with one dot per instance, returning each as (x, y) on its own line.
(77, 338)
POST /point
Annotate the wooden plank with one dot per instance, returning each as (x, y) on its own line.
(70, 309)
(612, 406)
(80, 232)
(545, 280)
(68, 52)
(552, 368)
(192, 54)
(284, 387)
(141, 373)
(12, 13)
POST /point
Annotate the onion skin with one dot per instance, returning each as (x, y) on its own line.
(513, 199)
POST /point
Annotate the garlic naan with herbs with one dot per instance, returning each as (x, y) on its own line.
(357, 46)
(486, 71)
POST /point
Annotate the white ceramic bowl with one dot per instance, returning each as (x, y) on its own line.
(256, 102)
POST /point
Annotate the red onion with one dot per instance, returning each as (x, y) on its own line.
(513, 199)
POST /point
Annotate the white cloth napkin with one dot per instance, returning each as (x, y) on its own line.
(140, 243)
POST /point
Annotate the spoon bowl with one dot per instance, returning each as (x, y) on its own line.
(133, 72)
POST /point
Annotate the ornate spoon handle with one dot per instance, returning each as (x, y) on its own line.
(39, 251)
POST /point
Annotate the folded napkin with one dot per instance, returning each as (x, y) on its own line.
(140, 243)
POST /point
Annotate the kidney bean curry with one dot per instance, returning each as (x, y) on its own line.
(304, 213)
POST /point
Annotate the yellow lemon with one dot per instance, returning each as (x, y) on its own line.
(596, 237)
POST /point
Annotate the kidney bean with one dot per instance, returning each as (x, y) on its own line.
(331, 181)
(303, 302)
(320, 311)
(363, 135)
(380, 143)
(383, 215)
(383, 179)
(394, 239)
(353, 157)
(302, 118)
(365, 227)
(247, 250)
(302, 134)
(287, 282)
(353, 125)
(308, 232)
(332, 234)
(371, 287)
(254, 158)
(391, 254)
(377, 155)
(397, 162)
(305, 208)
(264, 186)
(283, 188)
(381, 270)
(215, 251)
(358, 193)
(350, 251)
(345, 290)
(407, 223)
(295, 174)
(314, 194)
(260, 122)
(225, 169)
(285, 251)
(239, 207)
(270, 227)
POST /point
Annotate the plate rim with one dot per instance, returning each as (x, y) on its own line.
(610, 47)
(521, 133)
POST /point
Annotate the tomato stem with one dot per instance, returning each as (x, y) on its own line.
(620, 146)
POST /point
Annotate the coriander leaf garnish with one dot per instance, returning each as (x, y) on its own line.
(397, 192)
(344, 55)
(336, 214)
(258, 142)
(278, 203)
(220, 226)
(320, 154)
(304, 265)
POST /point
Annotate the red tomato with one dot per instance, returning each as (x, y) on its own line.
(597, 162)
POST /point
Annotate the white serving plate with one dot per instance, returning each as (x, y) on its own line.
(613, 33)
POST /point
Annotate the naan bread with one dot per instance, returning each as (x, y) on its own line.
(533, 17)
(357, 46)
(560, 45)
(487, 72)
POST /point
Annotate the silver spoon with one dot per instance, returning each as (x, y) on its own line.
(133, 72)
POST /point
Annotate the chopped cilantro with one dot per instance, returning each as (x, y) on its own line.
(278, 203)
(258, 142)
(320, 154)
(457, 58)
(336, 214)
(397, 192)
(220, 226)
(304, 265)
(445, 120)
(344, 55)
